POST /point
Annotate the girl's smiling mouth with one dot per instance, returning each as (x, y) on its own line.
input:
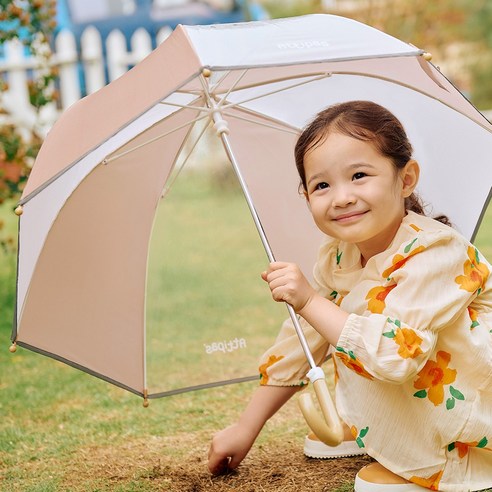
(349, 217)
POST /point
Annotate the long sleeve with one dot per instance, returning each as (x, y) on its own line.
(285, 364)
(426, 286)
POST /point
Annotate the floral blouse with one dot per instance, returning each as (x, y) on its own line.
(414, 360)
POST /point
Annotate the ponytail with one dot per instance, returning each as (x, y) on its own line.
(415, 204)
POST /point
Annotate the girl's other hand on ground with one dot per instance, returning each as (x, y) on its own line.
(228, 448)
(288, 284)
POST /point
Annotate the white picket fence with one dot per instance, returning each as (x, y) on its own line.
(16, 66)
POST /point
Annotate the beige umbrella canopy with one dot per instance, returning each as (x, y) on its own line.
(258, 83)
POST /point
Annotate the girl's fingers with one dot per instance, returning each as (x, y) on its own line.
(279, 295)
(221, 468)
(282, 277)
(275, 266)
(278, 269)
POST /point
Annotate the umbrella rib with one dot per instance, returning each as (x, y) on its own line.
(197, 92)
(329, 74)
(183, 106)
(207, 111)
(414, 89)
(177, 170)
(107, 160)
(283, 89)
(222, 77)
(233, 86)
(285, 129)
(283, 79)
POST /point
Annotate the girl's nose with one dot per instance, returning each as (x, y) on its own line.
(342, 197)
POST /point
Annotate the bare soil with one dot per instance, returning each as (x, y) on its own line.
(267, 468)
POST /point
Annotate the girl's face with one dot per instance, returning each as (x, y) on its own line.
(355, 194)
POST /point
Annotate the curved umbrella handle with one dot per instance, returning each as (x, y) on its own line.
(326, 426)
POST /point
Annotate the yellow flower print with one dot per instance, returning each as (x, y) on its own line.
(475, 272)
(263, 368)
(408, 341)
(351, 361)
(431, 483)
(473, 318)
(433, 377)
(336, 297)
(415, 228)
(399, 260)
(376, 297)
(462, 447)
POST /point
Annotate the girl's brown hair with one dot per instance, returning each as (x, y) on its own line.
(367, 121)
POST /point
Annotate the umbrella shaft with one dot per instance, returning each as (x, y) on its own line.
(266, 244)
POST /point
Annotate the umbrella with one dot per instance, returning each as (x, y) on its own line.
(258, 84)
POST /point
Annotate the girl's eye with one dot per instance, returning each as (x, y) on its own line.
(321, 186)
(359, 175)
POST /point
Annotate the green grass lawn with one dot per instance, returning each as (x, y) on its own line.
(61, 429)
(204, 287)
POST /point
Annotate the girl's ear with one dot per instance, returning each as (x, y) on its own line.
(306, 197)
(303, 192)
(410, 177)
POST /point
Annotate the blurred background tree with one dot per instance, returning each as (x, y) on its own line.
(31, 23)
(457, 32)
(479, 29)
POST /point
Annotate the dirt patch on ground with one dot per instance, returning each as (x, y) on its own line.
(267, 468)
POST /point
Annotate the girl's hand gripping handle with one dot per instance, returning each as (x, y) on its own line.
(327, 426)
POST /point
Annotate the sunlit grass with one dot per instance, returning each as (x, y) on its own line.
(205, 289)
(484, 236)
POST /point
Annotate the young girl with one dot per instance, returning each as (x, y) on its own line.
(405, 301)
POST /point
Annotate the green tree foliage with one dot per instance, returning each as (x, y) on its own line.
(291, 8)
(31, 22)
(456, 32)
(479, 30)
